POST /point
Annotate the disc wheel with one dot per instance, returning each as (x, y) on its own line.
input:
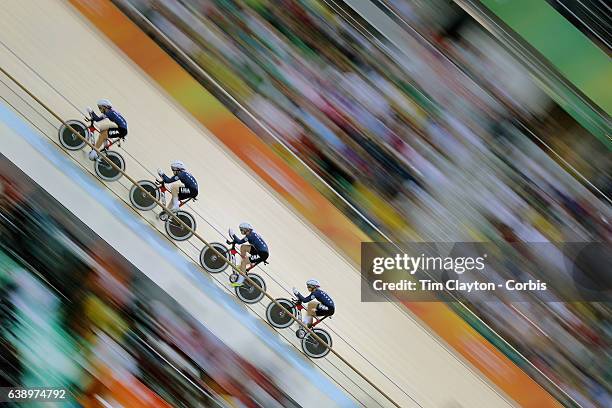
(249, 293)
(107, 172)
(68, 139)
(177, 231)
(212, 262)
(277, 317)
(312, 347)
(142, 200)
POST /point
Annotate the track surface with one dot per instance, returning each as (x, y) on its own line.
(380, 339)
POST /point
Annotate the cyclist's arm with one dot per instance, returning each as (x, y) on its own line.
(97, 118)
(304, 299)
(169, 180)
(238, 240)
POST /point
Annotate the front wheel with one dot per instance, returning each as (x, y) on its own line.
(142, 199)
(279, 318)
(178, 231)
(315, 349)
(249, 293)
(68, 139)
(107, 172)
(212, 262)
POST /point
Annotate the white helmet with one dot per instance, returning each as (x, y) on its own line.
(245, 226)
(104, 103)
(178, 165)
(313, 283)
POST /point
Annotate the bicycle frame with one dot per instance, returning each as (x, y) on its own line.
(163, 189)
(108, 143)
(299, 307)
(234, 253)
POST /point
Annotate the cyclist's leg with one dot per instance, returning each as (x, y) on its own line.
(311, 311)
(262, 256)
(323, 311)
(175, 190)
(185, 193)
(245, 251)
(116, 133)
(244, 254)
(104, 126)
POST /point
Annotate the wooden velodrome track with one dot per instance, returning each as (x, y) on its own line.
(48, 47)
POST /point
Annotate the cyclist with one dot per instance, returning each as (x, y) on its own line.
(113, 124)
(319, 302)
(182, 184)
(255, 251)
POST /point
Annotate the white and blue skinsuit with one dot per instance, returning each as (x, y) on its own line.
(255, 240)
(113, 116)
(186, 178)
(319, 295)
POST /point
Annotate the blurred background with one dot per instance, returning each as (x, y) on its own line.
(417, 120)
(75, 314)
(451, 138)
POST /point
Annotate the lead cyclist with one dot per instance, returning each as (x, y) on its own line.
(112, 124)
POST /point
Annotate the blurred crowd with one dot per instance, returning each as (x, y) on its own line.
(424, 150)
(74, 314)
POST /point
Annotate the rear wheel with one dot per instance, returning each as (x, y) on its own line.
(277, 317)
(68, 139)
(212, 262)
(249, 293)
(313, 348)
(176, 230)
(107, 172)
(142, 200)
